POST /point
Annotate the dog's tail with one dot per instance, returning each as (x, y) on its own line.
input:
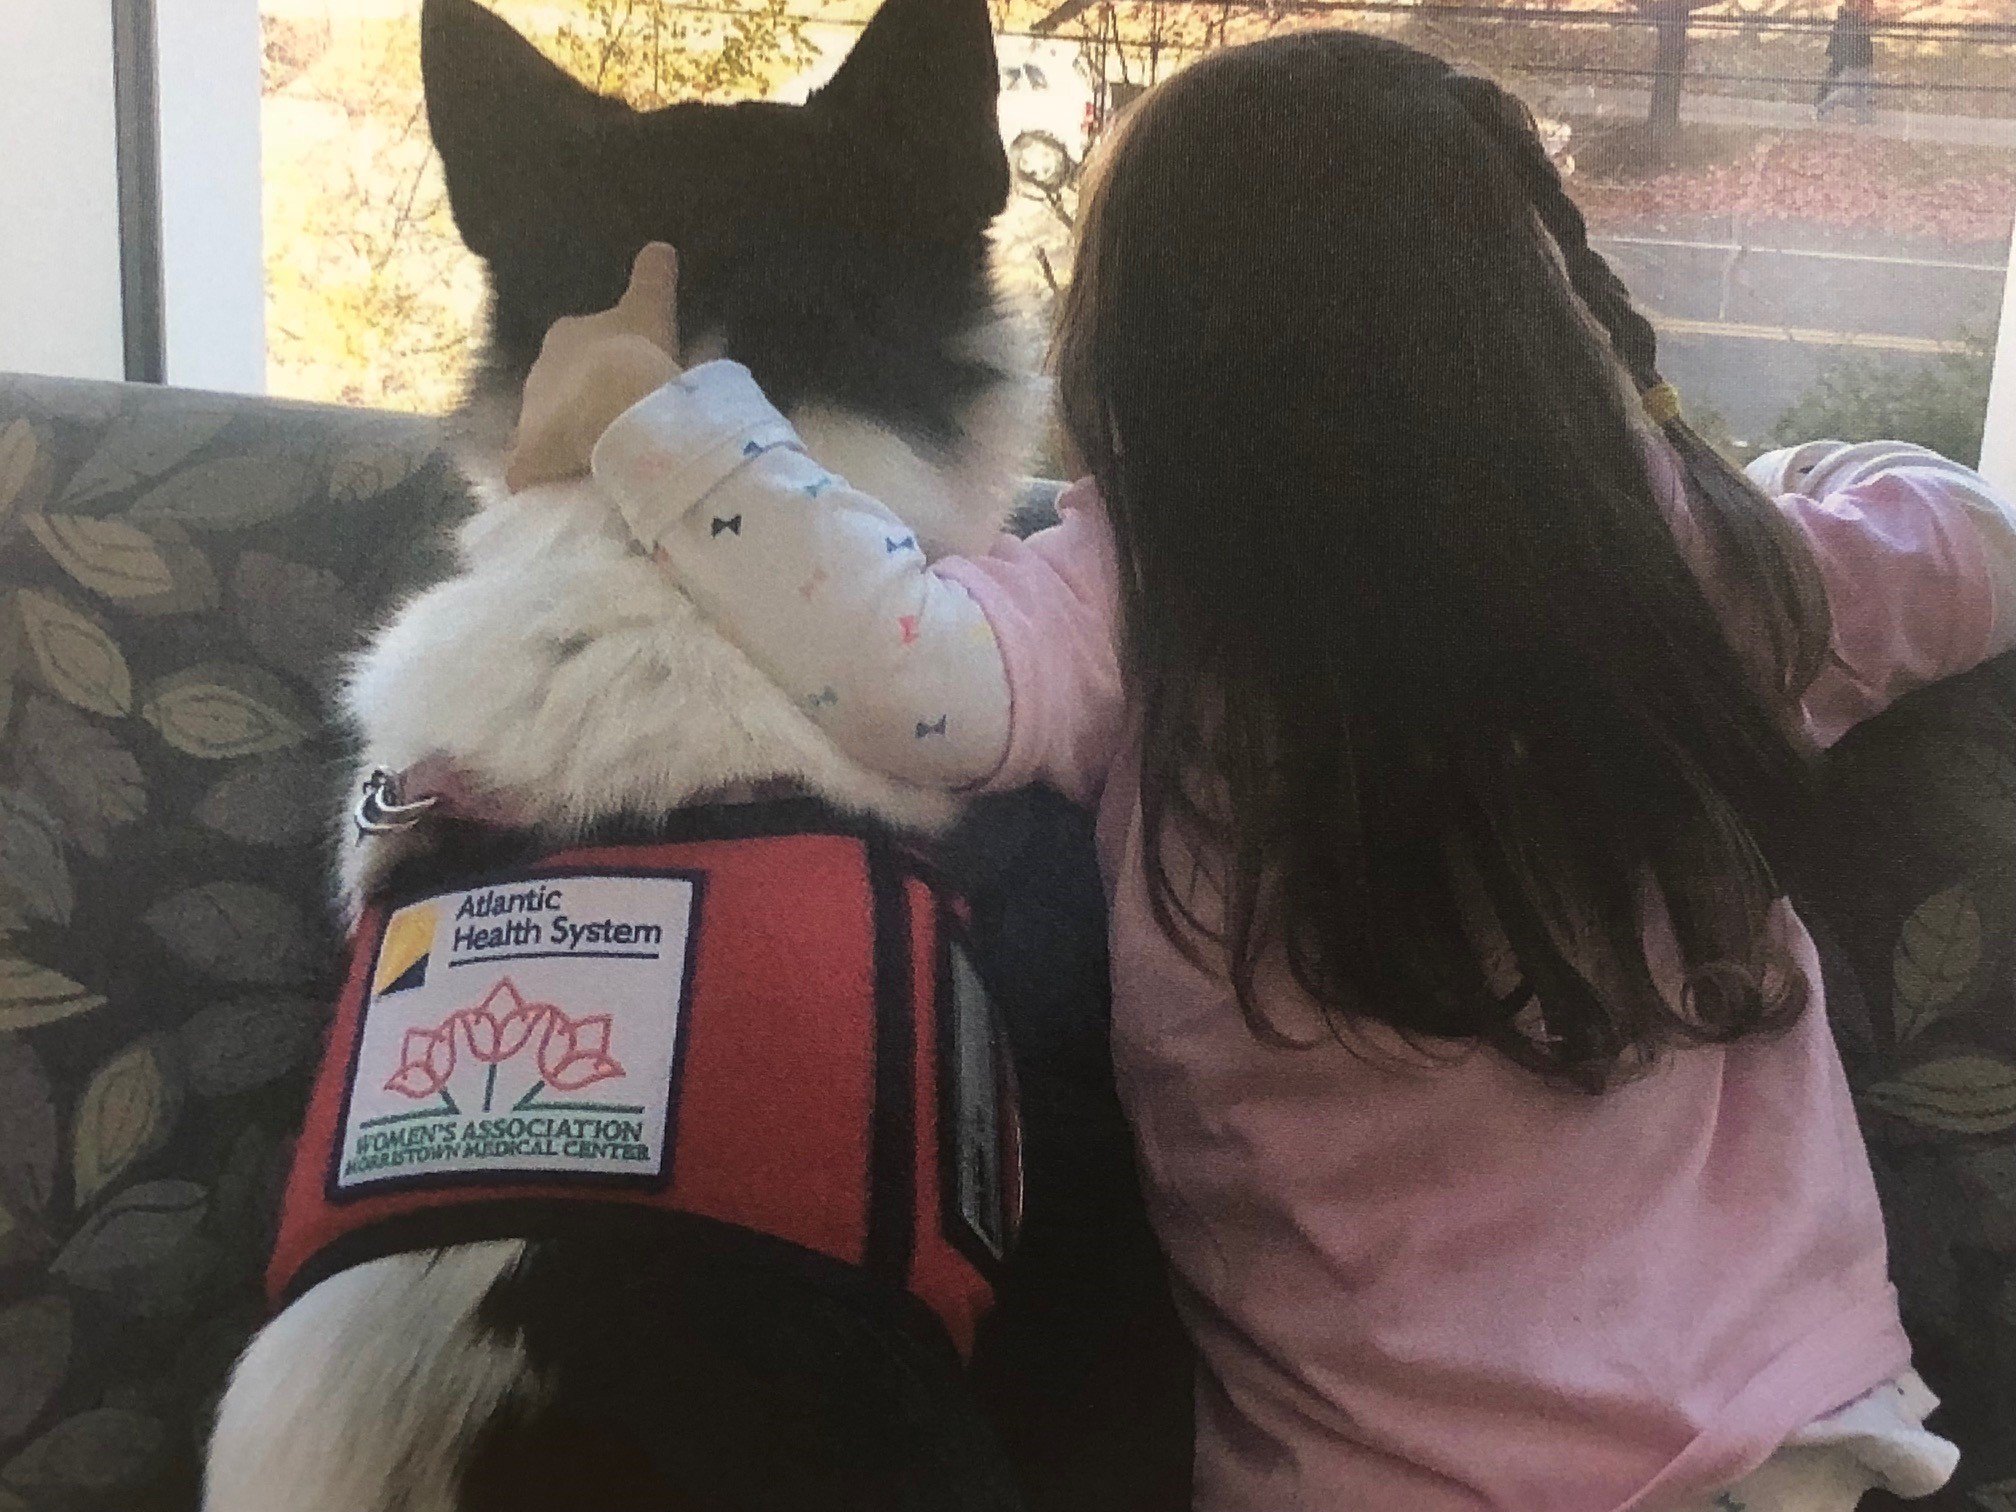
(366, 1394)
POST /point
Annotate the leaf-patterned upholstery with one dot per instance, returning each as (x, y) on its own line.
(1917, 921)
(179, 575)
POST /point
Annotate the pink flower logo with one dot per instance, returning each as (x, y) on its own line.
(493, 1039)
(426, 1061)
(572, 1054)
(575, 1052)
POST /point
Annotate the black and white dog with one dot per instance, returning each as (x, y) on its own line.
(598, 1357)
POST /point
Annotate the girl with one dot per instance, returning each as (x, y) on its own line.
(1446, 704)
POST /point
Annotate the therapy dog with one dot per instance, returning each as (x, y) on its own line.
(707, 1122)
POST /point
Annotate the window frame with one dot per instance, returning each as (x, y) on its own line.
(1998, 440)
(136, 118)
(186, 100)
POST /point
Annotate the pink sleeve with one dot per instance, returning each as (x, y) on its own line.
(1053, 604)
(1917, 560)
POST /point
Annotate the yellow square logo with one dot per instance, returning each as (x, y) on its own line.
(409, 944)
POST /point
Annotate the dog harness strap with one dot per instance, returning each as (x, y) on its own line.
(777, 1034)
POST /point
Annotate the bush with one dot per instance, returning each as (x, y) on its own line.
(1710, 425)
(1941, 403)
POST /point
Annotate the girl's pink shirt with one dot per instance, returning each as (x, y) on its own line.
(1439, 1287)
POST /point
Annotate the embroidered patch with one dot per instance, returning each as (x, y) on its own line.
(527, 1026)
(986, 1136)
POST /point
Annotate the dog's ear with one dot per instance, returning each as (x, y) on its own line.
(517, 136)
(915, 107)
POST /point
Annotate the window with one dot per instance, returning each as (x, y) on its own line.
(371, 298)
(1823, 245)
(1822, 242)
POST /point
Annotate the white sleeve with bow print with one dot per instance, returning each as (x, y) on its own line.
(821, 586)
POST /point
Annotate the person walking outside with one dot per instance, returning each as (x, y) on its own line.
(1851, 65)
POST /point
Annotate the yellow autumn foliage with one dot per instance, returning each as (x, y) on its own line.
(371, 298)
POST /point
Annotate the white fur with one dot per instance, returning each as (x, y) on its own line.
(560, 667)
(366, 1393)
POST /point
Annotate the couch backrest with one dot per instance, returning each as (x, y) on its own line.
(179, 576)
(1917, 920)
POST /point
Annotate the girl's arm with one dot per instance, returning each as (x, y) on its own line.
(1919, 557)
(999, 670)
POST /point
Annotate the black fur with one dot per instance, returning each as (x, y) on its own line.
(838, 248)
(682, 1367)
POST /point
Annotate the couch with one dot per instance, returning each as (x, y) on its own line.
(180, 573)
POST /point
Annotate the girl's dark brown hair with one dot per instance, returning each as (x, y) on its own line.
(1422, 672)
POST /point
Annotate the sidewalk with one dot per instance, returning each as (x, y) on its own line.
(1784, 115)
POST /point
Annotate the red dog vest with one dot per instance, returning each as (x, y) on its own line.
(779, 1033)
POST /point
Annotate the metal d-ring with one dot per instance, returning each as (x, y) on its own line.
(381, 811)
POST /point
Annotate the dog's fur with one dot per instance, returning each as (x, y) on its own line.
(840, 250)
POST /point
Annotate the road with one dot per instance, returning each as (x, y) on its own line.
(1749, 321)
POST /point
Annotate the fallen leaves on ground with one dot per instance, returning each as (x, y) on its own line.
(1954, 195)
